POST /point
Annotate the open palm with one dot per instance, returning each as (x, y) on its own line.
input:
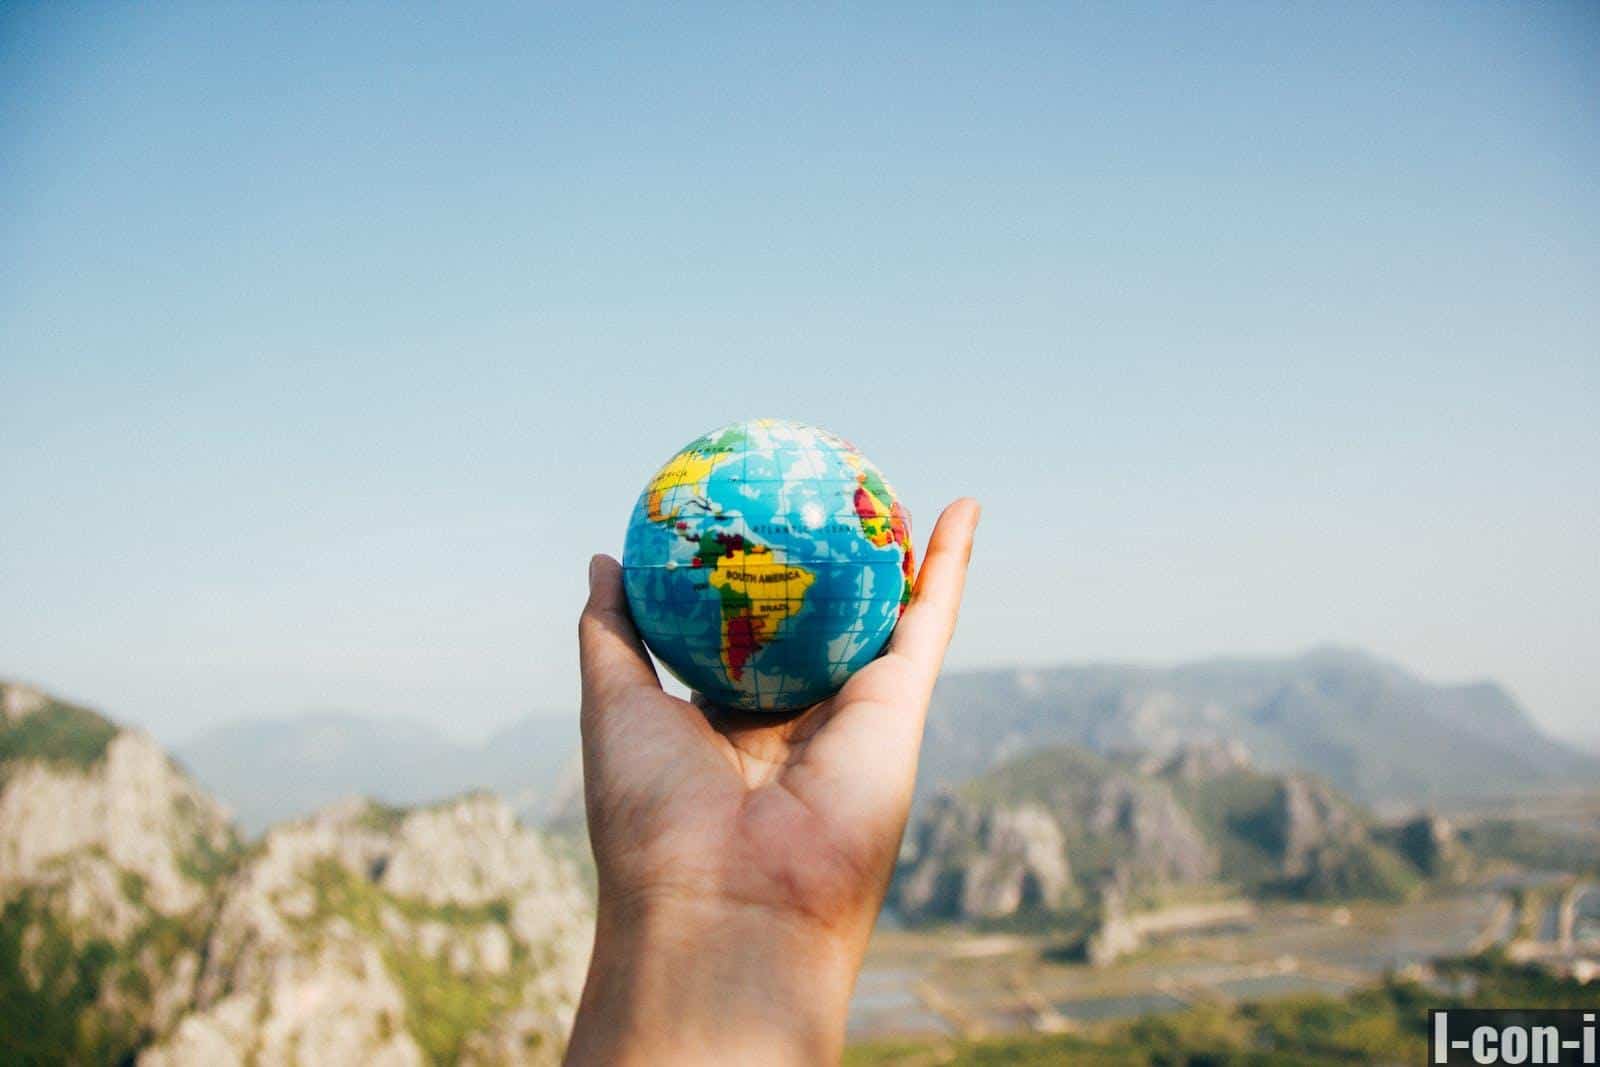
(798, 816)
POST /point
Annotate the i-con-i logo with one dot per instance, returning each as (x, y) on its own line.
(1512, 1036)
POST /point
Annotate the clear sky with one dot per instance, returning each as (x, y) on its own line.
(333, 338)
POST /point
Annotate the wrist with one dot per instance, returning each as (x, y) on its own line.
(700, 979)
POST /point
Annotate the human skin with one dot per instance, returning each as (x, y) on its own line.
(742, 858)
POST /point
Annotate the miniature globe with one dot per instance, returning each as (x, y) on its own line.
(767, 562)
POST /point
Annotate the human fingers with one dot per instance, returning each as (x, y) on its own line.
(924, 631)
(612, 659)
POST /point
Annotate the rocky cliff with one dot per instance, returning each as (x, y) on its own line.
(367, 935)
(135, 925)
(985, 861)
(1064, 830)
(110, 859)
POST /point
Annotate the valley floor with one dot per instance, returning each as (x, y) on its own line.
(961, 984)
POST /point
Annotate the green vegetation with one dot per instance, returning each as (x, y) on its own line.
(57, 733)
(382, 818)
(1529, 845)
(54, 980)
(207, 864)
(48, 988)
(204, 861)
(496, 912)
(1039, 776)
(133, 886)
(442, 1007)
(1234, 811)
(341, 892)
(1385, 1024)
(1357, 870)
(1531, 903)
(1241, 813)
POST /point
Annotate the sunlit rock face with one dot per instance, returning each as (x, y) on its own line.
(985, 861)
(1309, 817)
(110, 859)
(1067, 832)
(130, 811)
(136, 925)
(362, 934)
(1158, 838)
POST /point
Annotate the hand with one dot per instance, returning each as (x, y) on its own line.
(743, 857)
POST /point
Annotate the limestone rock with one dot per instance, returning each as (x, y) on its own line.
(337, 1004)
(367, 935)
(1047, 831)
(1429, 841)
(109, 858)
(134, 808)
(360, 934)
(1199, 761)
(1114, 935)
(1160, 840)
(1308, 818)
(987, 862)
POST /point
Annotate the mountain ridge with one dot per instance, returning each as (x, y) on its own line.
(1070, 840)
(273, 768)
(1371, 727)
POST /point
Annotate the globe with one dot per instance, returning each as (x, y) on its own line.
(767, 562)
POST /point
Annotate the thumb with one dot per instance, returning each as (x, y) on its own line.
(612, 659)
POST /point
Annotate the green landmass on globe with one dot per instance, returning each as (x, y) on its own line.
(766, 562)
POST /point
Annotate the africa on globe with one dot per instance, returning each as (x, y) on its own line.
(766, 563)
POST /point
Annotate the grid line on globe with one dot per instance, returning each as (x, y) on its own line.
(766, 562)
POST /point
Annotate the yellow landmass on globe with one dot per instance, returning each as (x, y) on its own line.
(760, 593)
(691, 468)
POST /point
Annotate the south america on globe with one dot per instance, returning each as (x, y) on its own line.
(767, 562)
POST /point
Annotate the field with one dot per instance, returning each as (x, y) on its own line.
(1250, 981)
(954, 983)
(1384, 1023)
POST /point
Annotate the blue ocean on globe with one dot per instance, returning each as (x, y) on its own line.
(767, 562)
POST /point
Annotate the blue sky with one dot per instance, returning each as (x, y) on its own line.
(333, 338)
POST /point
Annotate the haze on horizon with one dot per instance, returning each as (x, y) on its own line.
(333, 340)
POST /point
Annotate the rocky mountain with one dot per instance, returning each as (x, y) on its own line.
(1064, 831)
(273, 769)
(136, 926)
(369, 935)
(109, 862)
(1370, 728)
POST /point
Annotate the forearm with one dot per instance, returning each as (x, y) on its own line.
(696, 982)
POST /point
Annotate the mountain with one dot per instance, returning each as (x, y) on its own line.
(1063, 830)
(368, 935)
(110, 861)
(1369, 727)
(135, 926)
(272, 769)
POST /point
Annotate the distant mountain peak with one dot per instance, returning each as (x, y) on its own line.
(1368, 725)
(276, 768)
